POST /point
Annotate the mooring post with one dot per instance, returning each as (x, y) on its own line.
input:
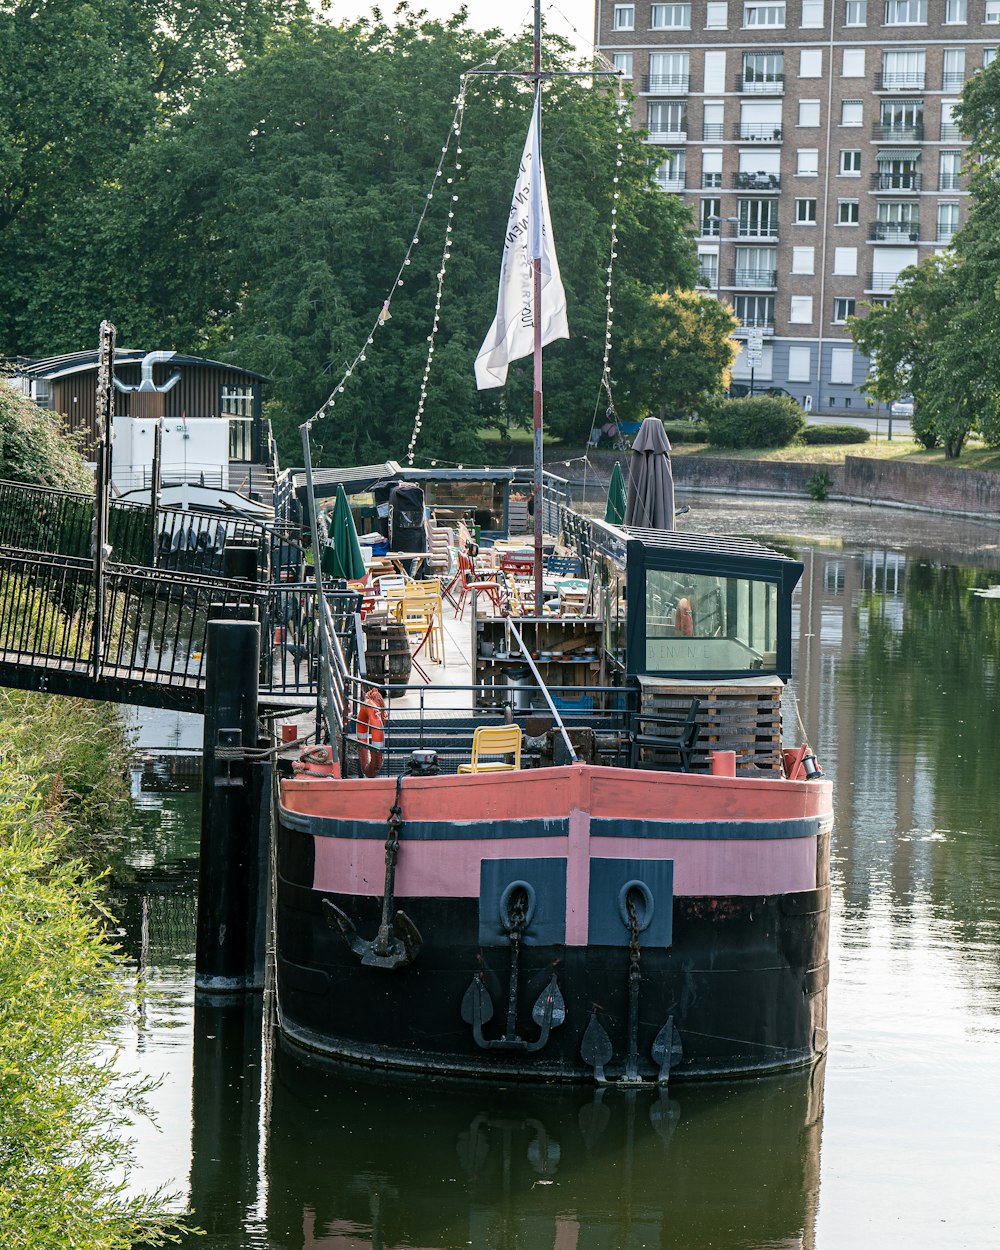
(228, 892)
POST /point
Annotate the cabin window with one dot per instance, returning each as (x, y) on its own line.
(236, 403)
(696, 622)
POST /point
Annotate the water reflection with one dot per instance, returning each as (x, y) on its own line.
(352, 1161)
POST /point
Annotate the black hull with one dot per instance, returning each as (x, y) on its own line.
(744, 983)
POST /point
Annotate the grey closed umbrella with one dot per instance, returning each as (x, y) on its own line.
(649, 500)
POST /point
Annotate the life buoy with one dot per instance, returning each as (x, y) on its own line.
(684, 618)
(370, 732)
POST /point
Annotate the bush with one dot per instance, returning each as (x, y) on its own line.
(761, 421)
(821, 435)
(818, 485)
(686, 431)
(34, 448)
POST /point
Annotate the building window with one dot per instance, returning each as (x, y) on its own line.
(809, 112)
(712, 129)
(992, 11)
(799, 363)
(850, 112)
(848, 212)
(711, 219)
(624, 18)
(902, 119)
(956, 11)
(811, 62)
(854, 63)
(757, 219)
(947, 222)
(903, 68)
(989, 56)
(669, 72)
(953, 69)
(801, 310)
(716, 15)
(708, 269)
(856, 13)
(906, 12)
(754, 310)
(812, 13)
(950, 129)
(951, 168)
(622, 62)
(670, 174)
(805, 212)
(850, 162)
(236, 403)
(897, 171)
(763, 71)
(671, 17)
(843, 307)
(803, 260)
(711, 169)
(756, 266)
(842, 366)
(845, 262)
(807, 162)
(667, 119)
(763, 14)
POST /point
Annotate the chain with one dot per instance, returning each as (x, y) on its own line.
(633, 938)
(395, 823)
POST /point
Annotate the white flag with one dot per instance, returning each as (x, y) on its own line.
(511, 335)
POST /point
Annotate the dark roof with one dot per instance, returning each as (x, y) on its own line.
(80, 362)
(690, 542)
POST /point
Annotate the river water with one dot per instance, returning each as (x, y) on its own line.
(894, 1141)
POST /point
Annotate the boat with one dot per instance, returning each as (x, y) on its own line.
(577, 846)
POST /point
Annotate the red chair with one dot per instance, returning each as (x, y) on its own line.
(470, 581)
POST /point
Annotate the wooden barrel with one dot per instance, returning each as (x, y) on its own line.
(387, 652)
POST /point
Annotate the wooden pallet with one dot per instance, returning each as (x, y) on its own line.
(744, 717)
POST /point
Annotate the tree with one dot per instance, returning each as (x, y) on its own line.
(925, 342)
(677, 352)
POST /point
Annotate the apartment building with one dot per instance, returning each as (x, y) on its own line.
(814, 143)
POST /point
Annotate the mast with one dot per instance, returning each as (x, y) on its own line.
(536, 264)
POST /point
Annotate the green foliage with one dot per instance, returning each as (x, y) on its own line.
(818, 485)
(678, 350)
(686, 431)
(821, 435)
(32, 447)
(65, 1110)
(757, 421)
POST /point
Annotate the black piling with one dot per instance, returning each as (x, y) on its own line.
(233, 833)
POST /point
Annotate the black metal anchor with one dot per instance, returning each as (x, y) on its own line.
(396, 945)
(549, 1011)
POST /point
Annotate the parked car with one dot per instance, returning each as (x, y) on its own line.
(738, 390)
(902, 407)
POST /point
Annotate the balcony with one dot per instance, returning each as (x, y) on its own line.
(949, 130)
(661, 134)
(708, 278)
(896, 182)
(894, 232)
(754, 323)
(949, 182)
(754, 132)
(952, 80)
(882, 283)
(898, 134)
(759, 181)
(754, 232)
(676, 182)
(712, 132)
(760, 86)
(666, 84)
(945, 234)
(907, 80)
(756, 278)
(711, 182)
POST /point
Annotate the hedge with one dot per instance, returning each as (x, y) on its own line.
(757, 421)
(816, 435)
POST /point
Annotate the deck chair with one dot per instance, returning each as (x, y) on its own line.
(502, 740)
(482, 583)
(429, 592)
(417, 617)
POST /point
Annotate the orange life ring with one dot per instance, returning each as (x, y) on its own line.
(370, 732)
(684, 618)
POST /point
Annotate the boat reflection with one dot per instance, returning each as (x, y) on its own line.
(349, 1161)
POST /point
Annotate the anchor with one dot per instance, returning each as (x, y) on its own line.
(396, 945)
(549, 1011)
(596, 1048)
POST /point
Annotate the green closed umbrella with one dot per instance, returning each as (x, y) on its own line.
(614, 513)
(342, 555)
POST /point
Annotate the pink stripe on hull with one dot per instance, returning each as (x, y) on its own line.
(751, 866)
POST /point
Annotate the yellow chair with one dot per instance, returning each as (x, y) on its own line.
(494, 740)
(427, 593)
